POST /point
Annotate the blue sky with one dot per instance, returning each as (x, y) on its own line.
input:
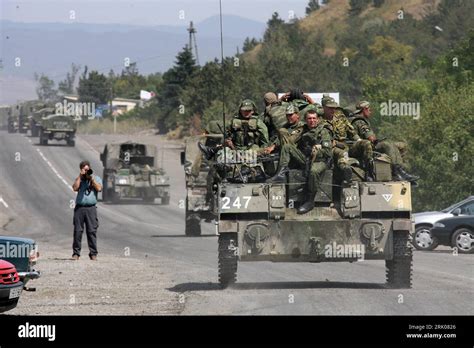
(144, 12)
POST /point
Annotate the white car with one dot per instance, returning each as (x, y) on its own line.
(422, 238)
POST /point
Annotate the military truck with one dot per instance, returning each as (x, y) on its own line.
(5, 112)
(257, 221)
(35, 120)
(25, 111)
(131, 171)
(57, 127)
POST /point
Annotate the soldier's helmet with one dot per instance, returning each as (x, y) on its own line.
(291, 109)
(362, 105)
(248, 105)
(270, 98)
(329, 102)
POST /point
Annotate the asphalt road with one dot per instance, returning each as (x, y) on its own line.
(35, 188)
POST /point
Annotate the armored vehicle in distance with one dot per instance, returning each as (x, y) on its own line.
(131, 171)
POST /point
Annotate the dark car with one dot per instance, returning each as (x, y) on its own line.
(23, 254)
(456, 232)
(10, 286)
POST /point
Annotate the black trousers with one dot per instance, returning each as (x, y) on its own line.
(88, 216)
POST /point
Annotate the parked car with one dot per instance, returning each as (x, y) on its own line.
(456, 232)
(23, 254)
(422, 238)
(10, 286)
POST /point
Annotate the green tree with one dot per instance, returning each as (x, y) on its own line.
(67, 85)
(45, 88)
(174, 82)
(249, 44)
(93, 87)
(313, 5)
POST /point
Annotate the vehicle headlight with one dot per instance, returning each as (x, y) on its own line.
(123, 180)
(439, 225)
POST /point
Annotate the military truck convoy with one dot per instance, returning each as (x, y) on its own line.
(131, 171)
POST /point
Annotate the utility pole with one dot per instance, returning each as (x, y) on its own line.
(192, 37)
(110, 108)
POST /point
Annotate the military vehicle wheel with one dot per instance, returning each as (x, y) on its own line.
(423, 239)
(43, 140)
(149, 199)
(193, 225)
(71, 143)
(399, 270)
(165, 200)
(34, 131)
(227, 259)
(463, 240)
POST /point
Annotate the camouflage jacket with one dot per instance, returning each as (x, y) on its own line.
(248, 133)
(321, 135)
(275, 118)
(342, 127)
(292, 132)
(362, 126)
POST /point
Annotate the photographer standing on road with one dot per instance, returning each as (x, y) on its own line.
(86, 185)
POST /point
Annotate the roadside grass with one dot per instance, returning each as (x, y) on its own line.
(127, 126)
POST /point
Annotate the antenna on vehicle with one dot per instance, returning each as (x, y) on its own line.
(223, 91)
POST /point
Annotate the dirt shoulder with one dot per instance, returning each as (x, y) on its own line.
(113, 285)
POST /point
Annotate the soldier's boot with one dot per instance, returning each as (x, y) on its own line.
(208, 151)
(369, 170)
(347, 175)
(401, 175)
(279, 177)
(308, 205)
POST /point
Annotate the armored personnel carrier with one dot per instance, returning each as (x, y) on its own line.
(199, 174)
(57, 127)
(257, 221)
(131, 171)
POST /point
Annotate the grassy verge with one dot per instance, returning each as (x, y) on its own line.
(107, 126)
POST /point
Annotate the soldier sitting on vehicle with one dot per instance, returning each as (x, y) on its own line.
(291, 131)
(360, 121)
(246, 131)
(344, 132)
(274, 114)
(313, 151)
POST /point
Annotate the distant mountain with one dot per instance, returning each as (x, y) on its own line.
(50, 48)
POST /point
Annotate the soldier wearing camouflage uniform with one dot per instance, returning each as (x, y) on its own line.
(274, 115)
(291, 131)
(360, 121)
(343, 130)
(247, 131)
(314, 147)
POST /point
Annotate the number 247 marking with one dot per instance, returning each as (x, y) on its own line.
(236, 203)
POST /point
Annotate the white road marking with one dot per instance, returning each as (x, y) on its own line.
(3, 202)
(53, 169)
